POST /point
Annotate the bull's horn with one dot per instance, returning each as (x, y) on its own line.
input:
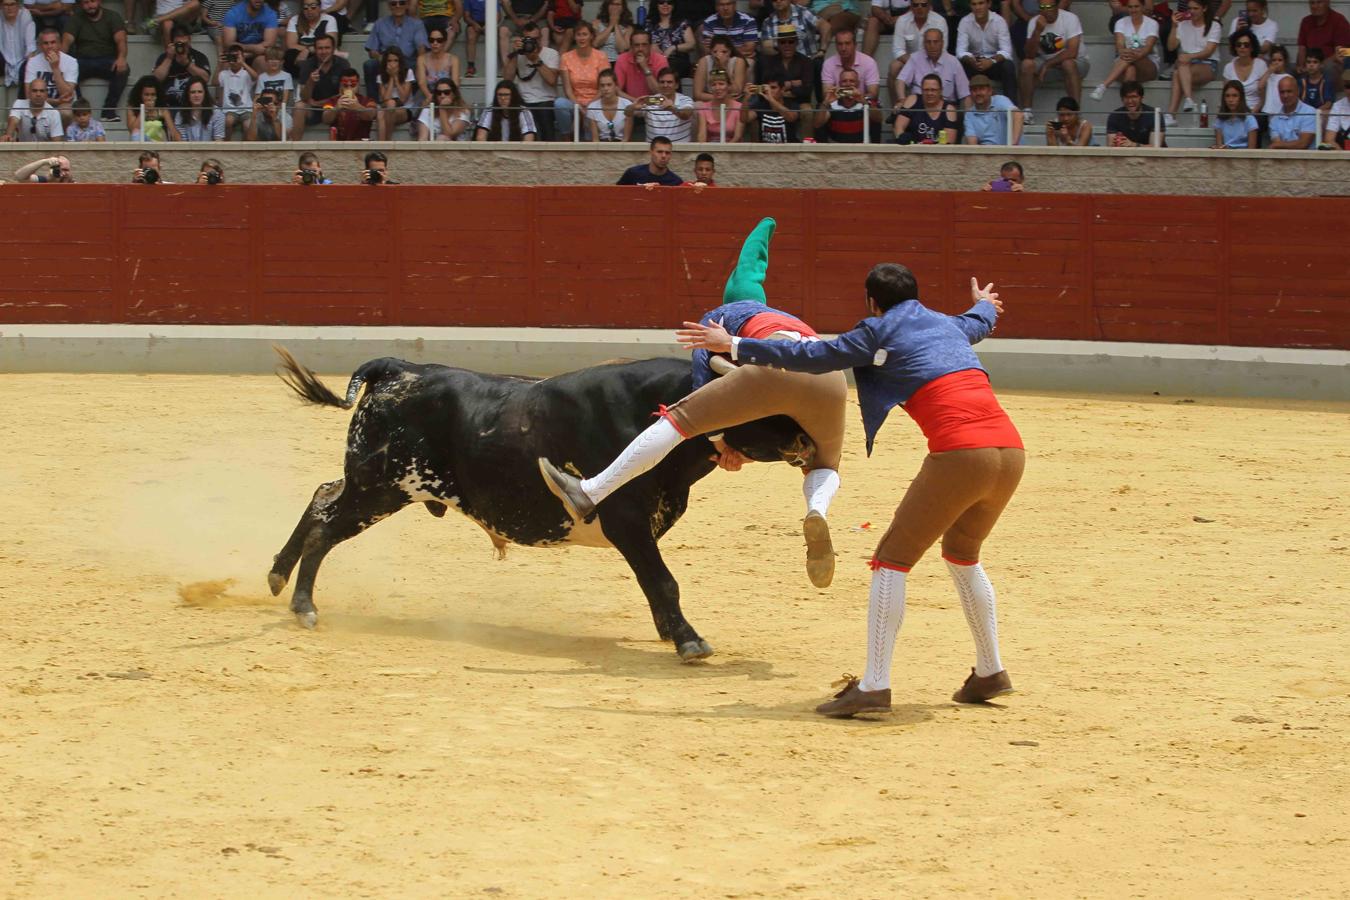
(721, 365)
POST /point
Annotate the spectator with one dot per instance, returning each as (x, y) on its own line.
(395, 84)
(841, 119)
(176, 65)
(350, 114)
(607, 116)
(34, 119)
(749, 54)
(376, 171)
(673, 38)
(97, 39)
(171, 14)
(534, 70)
(473, 15)
(213, 19)
(720, 115)
(988, 119)
(1326, 30)
(59, 70)
(839, 17)
(84, 129)
(807, 28)
(1010, 178)
(438, 62)
(158, 124)
(18, 39)
(1246, 68)
(1196, 38)
(516, 14)
(234, 81)
(147, 169)
(730, 23)
(723, 58)
(398, 29)
(668, 113)
(1236, 126)
(274, 76)
(447, 117)
(772, 121)
(795, 71)
(1136, 38)
(1338, 123)
(1314, 87)
(638, 68)
(301, 31)
(200, 120)
(252, 24)
(308, 170)
(984, 46)
(1068, 128)
(445, 16)
(1131, 125)
(1275, 69)
(265, 123)
(848, 57)
(909, 31)
(212, 172)
(882, 18)
(48, 170)
(934, 60)
(509, 120)
(705, 171)
(1294, 127)
(319, 77)
(613, 29)
(1257, 20)
(563, 18)
(48, 13)
(926, 118)
(656, 171)
(581, 68)
(1053, 46)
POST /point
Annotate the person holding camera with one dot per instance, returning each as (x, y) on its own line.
(34, 119)
(1068, 128)
(176, 66)
(771, 120)
(147, 169)
(265, 122)
(1195, 37)
(533, 68)
(668, 113)
(846, 112)
(319, 82)
(350, 114)
(235, 82)
(308, 170)
(376, 169)
(1010, 179)
(1052, 46)
(48, 170)
(448, 117)
(212, 172)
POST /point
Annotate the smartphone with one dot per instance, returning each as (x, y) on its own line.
(348, 93)
(1001, 184)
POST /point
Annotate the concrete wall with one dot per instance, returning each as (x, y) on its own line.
(1088, 170)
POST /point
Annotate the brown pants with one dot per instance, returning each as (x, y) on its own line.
(957, 496)
(816, 402)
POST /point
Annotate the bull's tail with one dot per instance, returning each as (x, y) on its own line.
(305, 383)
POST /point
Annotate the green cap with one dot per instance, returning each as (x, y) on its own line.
(747, 279)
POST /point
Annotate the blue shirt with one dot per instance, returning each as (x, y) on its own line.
(732, 316)
(247, 28)
(1288, 126)
(410, 36)
(988, 126)
(892, 355)
(1233, 132)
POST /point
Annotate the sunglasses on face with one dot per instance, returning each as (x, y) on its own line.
(1047, 6)
(435, 40)
(444, 93)
(787, 40)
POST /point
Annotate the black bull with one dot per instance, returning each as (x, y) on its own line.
(449, 437)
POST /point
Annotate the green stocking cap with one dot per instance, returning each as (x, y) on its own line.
(747, 279)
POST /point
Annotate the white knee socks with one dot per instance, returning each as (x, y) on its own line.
(645, 451)
(977, 602)
(819, 487)
(885, 614)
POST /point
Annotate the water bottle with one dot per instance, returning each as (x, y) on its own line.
(1204, 113)
(642, 14)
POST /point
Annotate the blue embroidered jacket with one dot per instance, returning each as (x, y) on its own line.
(733, 317)
(892, 355)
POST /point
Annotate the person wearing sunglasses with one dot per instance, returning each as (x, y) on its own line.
(438, 62)
(1246, 67)
(1256, 18)
(808, 28)
(673, 38)
(1052, 47)
(398, 29)
(301, 31)
(34, 119)
(447, 118)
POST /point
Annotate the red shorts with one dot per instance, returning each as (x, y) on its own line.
(960, 412)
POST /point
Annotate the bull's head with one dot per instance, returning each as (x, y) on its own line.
(774, 439)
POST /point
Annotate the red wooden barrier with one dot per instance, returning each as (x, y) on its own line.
(1246, 271)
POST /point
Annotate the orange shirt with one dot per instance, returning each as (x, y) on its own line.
(584, 74)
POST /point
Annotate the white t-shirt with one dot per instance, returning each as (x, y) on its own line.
(909, 37)
(39, 68)
(236, 91)
(1066, 26)
(1273, 102)
(1340, 116)
(280, 83)
(535, 89)
(526, 124)
(432, 123)
(609, 131)
(1252, 85)
(1266, 32)
(42, 127)
(1191, 38)
(326, 22)
(1148, 28)
(412, 95)
(164, 7)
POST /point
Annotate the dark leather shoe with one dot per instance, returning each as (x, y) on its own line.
(853, 700)
(567, 488)
(979, 689)
(819, 550)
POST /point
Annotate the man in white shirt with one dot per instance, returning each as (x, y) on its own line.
(1052, 46)
(910, 27)
(34, 119)
(984, 47)
(60, 71)
(534, 69)
(668, 113)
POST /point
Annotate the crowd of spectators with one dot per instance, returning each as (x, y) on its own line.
(779, 72)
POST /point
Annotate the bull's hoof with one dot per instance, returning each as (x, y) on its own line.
(692, 650)
(308, 619)
(277, 582)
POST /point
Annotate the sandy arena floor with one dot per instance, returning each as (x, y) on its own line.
(1173, 582)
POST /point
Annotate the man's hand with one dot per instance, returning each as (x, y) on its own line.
(728, 458)
(119, 65)
(978, 293)
(704, 337)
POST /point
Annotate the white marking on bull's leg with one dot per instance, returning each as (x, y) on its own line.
(308, 619)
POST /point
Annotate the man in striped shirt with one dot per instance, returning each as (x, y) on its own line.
(668, 113)
(727, 20)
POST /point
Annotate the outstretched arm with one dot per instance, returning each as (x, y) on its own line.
(978, 321)
(853, 348)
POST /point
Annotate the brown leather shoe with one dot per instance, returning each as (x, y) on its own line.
(853, 700)
(819, 549)
(979, 689)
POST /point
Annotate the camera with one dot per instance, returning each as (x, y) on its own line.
(180, 47)
(149, 176)
(529, 45)
(264, 101)
(652, 100)
(213, 177)
(235, 56)
(846, 93)
(374, 176)
(56, 171)
(309, 176)
(754, 88)
(1056, 124)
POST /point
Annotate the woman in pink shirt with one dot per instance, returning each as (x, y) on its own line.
(712, 120)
